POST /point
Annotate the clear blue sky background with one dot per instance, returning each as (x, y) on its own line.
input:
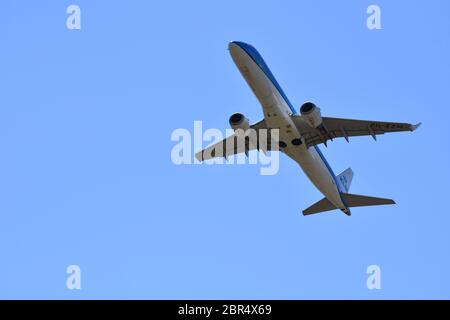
(86, 176)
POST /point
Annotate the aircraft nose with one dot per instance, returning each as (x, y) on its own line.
(232, 45)
(239, 50)
(236, 51)
(236, 44)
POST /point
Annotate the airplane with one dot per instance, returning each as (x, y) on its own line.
(299, 134)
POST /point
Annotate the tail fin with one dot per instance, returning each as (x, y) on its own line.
(345, 179)
(352, 200)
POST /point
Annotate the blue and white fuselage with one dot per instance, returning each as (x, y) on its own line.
(277, 114)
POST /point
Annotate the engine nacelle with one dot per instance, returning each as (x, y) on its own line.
(311, 114)
(239, 121)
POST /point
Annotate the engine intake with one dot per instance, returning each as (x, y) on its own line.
(311, 114)
(239, 121)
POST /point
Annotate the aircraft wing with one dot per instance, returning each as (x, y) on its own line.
(235, 144)
(345, 128)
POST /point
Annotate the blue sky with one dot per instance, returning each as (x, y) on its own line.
(86, 176)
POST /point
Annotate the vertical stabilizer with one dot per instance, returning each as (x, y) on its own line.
(345, 179)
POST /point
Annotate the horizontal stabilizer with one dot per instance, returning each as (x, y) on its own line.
(320, 206)
(354, 200)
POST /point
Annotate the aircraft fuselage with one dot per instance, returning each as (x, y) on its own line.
(277, 111)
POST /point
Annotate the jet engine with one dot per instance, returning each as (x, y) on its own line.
(239, 121)
(311, 114)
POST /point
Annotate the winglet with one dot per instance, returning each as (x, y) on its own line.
(415, 126)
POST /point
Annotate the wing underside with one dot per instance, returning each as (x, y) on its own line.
(260, 138)
(345, 128)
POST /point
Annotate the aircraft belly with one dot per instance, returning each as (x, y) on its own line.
(316, 170)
